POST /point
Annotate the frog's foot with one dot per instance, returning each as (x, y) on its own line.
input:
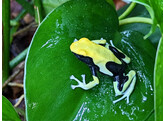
(100, 42)
(80, 84)
(128, 92)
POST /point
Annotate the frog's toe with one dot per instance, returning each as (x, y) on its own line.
(83, 75)
(72, 77)
(74, 86)
(83, 78)
(111, 43)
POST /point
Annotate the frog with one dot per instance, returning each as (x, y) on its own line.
(107, 59)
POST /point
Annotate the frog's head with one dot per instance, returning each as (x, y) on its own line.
(80, 47)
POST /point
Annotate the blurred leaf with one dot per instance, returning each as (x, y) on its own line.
(50, 63)
(27, 6)
(49, 5)
(8, 111)
(159, 82)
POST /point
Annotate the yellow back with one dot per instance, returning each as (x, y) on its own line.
(98, 53)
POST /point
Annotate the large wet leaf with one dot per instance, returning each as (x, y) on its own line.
(8, 111)
(50, 63)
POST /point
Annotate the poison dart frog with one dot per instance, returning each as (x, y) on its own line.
(107, 59)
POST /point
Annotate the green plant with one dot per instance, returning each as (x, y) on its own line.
(8, 111)
(50, 63)
(97, 19)
(6, 39)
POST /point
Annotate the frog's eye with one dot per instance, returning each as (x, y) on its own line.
(82, 52)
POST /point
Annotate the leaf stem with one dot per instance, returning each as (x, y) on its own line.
(19, 101)
(128, 10)
(135, 20)
(18, 59)
(13, 84)
(39, 12)
(22, 55)
(16, 20)
(6, 38)
(24, 29)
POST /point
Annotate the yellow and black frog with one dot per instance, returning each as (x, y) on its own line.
(109, 60)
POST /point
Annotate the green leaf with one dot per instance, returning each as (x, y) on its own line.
(49, 5)
(50, 63)
(140, 11)
(159, 83)
(27, 6)
(8, 111)
(155, 8)
(140, 62)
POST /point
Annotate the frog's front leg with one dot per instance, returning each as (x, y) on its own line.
(83, 84)
(100, 42)
(117, 52)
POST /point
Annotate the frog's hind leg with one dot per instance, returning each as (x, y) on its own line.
(83, 84)
(126, 94)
